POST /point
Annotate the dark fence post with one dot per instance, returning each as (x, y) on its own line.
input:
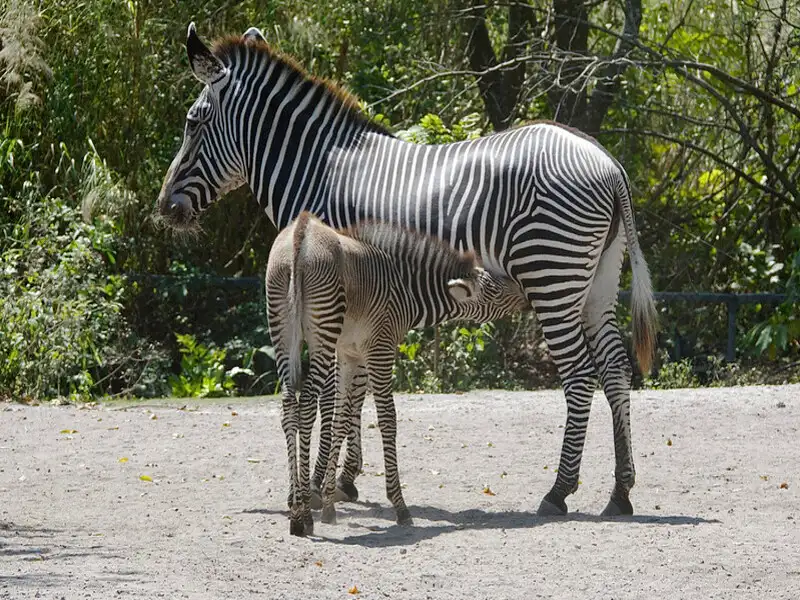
(733, 307)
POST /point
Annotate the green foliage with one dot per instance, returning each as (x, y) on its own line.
(61, 326)
(780, 333)
(93, 96)
(672, 375)
(203, 373)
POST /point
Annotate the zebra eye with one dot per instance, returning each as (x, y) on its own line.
(192, 125)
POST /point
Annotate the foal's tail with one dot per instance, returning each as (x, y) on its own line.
(643, 308)
(295, 303)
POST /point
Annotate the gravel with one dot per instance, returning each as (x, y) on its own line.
(172, 501)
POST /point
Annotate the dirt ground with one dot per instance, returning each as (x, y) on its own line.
(714, 518)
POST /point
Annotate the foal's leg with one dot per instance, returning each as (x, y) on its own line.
(346, 490)
(380, 364)
(341, 425)
(327, 400)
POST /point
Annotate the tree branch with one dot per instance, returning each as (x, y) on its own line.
(608, 85)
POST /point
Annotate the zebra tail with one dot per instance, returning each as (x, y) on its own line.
(295, 302)
(644, 316)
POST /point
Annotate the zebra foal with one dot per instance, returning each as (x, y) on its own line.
(352, 295)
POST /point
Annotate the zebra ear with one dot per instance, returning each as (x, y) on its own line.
(253, 35)
(461, 290)
(205, 66)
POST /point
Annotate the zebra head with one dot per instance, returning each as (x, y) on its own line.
(208, 163)
(484, 297)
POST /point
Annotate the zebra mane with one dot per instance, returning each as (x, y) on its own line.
(401, 243)
(231, 48)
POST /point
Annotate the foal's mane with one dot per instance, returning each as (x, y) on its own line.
(401, 242)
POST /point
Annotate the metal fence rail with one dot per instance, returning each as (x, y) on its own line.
(732, 301)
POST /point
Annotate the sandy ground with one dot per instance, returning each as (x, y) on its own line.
(77, 520)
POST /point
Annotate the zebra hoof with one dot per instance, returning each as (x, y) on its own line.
(297, 528)
(329, 515)
(404, 518)
(346, 492)
(316, 497)
(308, 526)
(549, 509)
(617, 507)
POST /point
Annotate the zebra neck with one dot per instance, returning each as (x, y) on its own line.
(294, 128)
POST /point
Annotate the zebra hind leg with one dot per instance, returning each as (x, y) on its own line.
(346, 490)
(569, 349)
(341, 425)
(326, 403)
(615, 370)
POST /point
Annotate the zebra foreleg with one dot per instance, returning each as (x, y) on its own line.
(380, 372)
(346, 491)
(578, 380)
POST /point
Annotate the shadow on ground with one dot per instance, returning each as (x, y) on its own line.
(474, 519)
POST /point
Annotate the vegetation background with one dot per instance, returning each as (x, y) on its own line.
(697, 99)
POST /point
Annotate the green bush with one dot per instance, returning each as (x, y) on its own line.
(61, 326)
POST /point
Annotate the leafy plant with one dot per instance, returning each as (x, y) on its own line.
(673, 375)
(203, 373)
(781, 331)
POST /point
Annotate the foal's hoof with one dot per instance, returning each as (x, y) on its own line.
(296, 527)
(316, 497)
(329, 515)
(617, 507)
(308, 526)
(552, 507)
(346, 492)
(404, 518)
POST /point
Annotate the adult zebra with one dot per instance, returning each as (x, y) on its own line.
(540, 203)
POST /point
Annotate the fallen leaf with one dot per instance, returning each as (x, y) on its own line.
(669, 441)
(318, 563)
(784, 486)
(153, 417)
(113, 429)
(764, 477)
(145, 478)
(226, 424)
(123, 459)
(488, 491)
(503, 475)
(234, 413)
(546, 467)
(68, 431)
(253, 460)
(490, 445)
(354, 590)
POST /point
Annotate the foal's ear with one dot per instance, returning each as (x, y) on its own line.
(205, 66)
(253, 35)
(461, 290)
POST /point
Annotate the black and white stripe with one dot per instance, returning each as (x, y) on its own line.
(540, 203)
